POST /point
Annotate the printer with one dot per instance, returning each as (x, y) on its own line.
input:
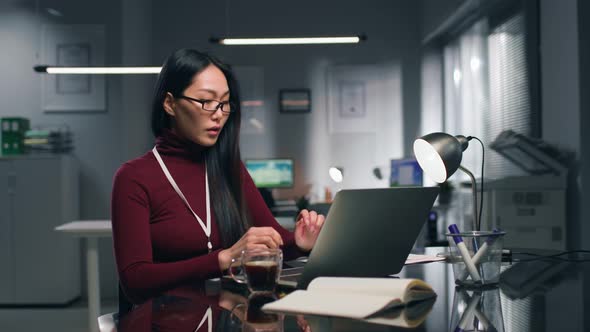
(530, 208)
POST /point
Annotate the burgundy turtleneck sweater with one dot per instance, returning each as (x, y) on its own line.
(157, 241)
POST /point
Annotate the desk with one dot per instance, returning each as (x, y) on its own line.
(90, 230)
(556, 302)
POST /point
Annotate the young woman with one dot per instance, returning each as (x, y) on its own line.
(184, 210)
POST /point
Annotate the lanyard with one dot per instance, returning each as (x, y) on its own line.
(206, 228)
(209, 317)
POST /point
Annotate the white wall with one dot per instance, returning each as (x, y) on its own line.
(360, 144)
(97, 135)
(136, 47)
(431, 93)
(102, 140)
(393, 42)
(434, 12)
(584, 59)
(565, 76)
(559, 71)
(560, 94)
(138, 33)
(561, 112)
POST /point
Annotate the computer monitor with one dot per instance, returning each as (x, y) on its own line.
(405, 172)
(271, 173)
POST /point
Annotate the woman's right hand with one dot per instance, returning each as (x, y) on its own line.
(255, 237)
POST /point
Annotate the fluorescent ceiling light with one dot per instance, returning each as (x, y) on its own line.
(97, 70)
(289, 41)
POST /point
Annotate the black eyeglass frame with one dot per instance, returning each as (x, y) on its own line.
(220, 104)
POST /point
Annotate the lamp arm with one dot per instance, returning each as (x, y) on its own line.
(483, 154)
(476, 221)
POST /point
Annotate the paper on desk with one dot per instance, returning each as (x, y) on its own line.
(416, 259)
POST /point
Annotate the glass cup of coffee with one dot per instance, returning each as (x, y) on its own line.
(258, 320)
(251, 316)
(261, 269)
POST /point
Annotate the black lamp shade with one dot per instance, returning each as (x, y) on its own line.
(439, 154)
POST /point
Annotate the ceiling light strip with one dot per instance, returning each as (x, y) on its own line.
(288, 41)
(97, 70)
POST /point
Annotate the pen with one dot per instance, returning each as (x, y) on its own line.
(468, 314)
(475, 311)
(453, 229)
(485, 322)
(480, 253)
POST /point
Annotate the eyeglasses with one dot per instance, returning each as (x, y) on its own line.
(212, 105)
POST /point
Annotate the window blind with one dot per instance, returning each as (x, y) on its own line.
(510, 107)
(486, 90)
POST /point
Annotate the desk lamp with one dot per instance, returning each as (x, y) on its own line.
(336, 174)
(439, 156)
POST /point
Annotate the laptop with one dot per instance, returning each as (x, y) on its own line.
(367, 233)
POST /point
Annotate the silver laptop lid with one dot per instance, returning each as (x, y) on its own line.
(369, 232)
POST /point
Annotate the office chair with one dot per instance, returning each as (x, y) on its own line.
(107, 322)
(125, 305)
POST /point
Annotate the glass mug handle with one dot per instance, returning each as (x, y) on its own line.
(231, 272)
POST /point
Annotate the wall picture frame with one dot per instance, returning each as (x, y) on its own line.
(72, 45)
(295, 101)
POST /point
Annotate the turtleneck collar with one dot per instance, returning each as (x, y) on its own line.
(171, 144)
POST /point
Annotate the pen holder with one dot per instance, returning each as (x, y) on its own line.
(477, 310)
(476, 257)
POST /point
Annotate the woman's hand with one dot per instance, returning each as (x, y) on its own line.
(255, 238)
(307, 229)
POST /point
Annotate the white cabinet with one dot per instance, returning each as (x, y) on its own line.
(38, 266)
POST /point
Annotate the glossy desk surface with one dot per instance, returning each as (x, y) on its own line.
(535, 296)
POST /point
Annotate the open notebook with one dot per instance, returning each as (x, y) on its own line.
(357, 298)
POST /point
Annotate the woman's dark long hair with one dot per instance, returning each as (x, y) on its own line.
(223, 159)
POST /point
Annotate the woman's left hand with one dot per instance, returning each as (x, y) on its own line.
(307, 229)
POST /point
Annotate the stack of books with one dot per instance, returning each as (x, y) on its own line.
(53, 140)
